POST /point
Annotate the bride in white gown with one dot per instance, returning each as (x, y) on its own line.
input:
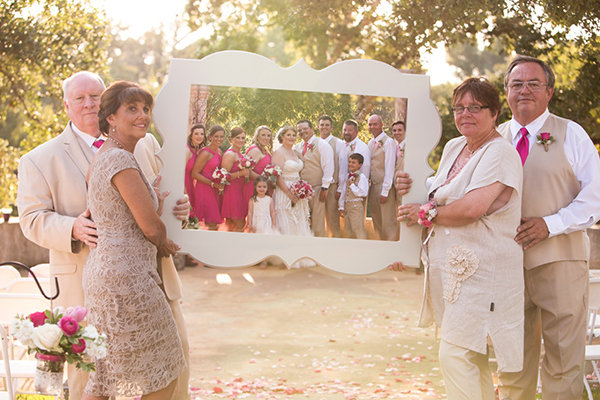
(292, 214)
(291, 220)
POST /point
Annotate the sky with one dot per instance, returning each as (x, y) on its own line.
(139, 16)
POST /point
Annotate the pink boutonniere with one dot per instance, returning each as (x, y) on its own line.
(311, 147)
(379, 144)
(545, 138)
(352, 177)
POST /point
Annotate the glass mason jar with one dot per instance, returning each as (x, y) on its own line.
(49, 374)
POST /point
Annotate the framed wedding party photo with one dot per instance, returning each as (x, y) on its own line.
(245, 89)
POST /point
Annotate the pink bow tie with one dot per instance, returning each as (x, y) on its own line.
(98, 143)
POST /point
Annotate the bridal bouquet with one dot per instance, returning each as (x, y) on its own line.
(246, 163)
(301, 189)
(58, 334)
(271, 172)
(221, 177)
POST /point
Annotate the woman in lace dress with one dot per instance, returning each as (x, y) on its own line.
(120, 278)
(474, 282)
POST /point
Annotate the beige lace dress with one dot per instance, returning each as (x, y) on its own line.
(122, 293)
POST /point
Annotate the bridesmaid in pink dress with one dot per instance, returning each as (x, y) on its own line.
(233, 208)
(260, 151)
(195, 142)
(206, 194)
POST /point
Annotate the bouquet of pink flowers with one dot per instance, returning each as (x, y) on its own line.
(271, 172)
(221, 177)
(58, 334)
(246, 163)
(301, 189)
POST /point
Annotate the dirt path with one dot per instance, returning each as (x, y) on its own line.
(308, 334)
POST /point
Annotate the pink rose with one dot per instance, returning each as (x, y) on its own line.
(79, 347)
(78, 313)
(68, 325)
(545, 135)
(38, 318)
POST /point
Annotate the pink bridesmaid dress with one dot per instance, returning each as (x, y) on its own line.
(206, 197)
(258, 168)
(189, 181)
(233, 205)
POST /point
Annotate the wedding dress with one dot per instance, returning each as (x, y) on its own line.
(292, 220)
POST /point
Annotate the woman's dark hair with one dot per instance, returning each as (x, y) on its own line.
(189, 138)
(481, 90)
(117, 94)
(212, 130)
(236, 131)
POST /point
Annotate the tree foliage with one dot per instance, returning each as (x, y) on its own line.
(43, 42)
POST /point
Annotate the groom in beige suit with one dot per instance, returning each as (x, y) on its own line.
(53, 212)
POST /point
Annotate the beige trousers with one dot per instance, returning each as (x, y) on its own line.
(317, 214)
(467, 374)
(383, 215)
(556, 298)
(331, 208)
(354, 219)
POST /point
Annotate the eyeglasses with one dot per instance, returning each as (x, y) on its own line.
(534, 86)
(474, 109)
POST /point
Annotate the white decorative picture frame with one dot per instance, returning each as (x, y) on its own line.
(243, 69)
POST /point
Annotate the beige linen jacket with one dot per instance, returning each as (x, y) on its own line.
(52, 193)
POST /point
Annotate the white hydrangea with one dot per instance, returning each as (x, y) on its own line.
(23, 330)
(96, 348)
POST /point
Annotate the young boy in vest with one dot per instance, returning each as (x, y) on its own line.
(352, 199)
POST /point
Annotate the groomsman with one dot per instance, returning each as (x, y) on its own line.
(399, 135)
(382, 196)
(333, 219)
(317, 156)
(51, 199)
(353, 145)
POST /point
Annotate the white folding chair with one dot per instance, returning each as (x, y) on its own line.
(592, 351)
(7, 275)
(9, 393)
(28, 285)
(41, 270)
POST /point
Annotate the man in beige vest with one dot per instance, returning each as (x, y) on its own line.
(382, 196)
(561, 198)
(325, 127)
(317, 156)
(53, 212)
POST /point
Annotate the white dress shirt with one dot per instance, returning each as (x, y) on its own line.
(389, 148)
(355, 146)
(360, 190)
(86, 137)
(326, 153)
(340, 148)
(581, 154)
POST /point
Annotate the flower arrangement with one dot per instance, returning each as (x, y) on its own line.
(545, 138)
(246, 163)
(221, 177)
(59, 335)
(271, 172)
(301, 189)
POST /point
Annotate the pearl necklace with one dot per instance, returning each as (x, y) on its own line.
(115, 141)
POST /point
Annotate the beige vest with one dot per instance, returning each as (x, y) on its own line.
(312, 171)
(378, 160)
(350, 196)
(550, 184)
(333, 142)
(399, 160)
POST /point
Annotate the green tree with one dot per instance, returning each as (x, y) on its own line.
(9, 157)
(41, 43)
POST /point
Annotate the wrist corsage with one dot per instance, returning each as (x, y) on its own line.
(427, 213)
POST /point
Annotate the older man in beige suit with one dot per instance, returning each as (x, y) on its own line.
(53, 212)
(561, 198)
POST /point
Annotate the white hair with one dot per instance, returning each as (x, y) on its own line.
(67, 82)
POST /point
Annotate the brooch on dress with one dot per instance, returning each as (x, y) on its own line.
(461, 263)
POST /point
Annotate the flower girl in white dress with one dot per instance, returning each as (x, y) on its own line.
(261, 209)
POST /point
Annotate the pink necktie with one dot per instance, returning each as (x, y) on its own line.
(305, 148)
(98, 143)
(523, 145)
